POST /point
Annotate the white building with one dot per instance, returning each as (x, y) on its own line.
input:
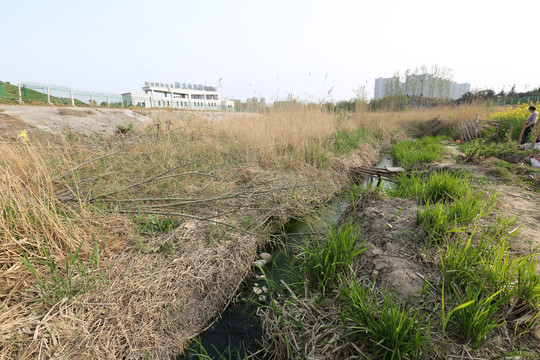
(382, 86)
(426, 84)
(190, 97)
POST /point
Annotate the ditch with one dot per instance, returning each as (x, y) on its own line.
(237, 333)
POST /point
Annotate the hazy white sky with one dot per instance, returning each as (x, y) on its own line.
(267, 48)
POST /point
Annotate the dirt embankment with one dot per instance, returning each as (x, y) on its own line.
(55, 119)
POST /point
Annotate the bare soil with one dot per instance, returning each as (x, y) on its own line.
(395, 243)
(55, 119)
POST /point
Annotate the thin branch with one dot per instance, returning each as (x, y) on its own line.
(169, 213)
(140, 182)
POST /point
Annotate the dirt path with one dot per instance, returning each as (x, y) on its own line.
(525, 206)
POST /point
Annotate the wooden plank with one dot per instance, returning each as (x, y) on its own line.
(471, 129)
(462, 132)
(394, 169)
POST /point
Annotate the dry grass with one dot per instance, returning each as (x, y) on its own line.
(150, 294)
(302, 326)
(226, 179)
(73, 112)
(447, 115)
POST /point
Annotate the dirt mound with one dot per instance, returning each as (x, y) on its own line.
(393, 237)
(525, 207)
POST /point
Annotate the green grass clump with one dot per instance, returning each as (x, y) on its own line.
(63, 280)
(153, 224)
(449, 200)
(345, 141)
(324, 261)
(410, 153)
(441, 219)
(483, 148)
(478, 313)
(440, 186)
(390, 329)
(355, 192)
(483, 259)
(315, 154)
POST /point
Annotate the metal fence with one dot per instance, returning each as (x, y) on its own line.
(60, 95)
(516, 101)
(51, 94)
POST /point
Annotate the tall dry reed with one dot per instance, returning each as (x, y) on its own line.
(241, 170)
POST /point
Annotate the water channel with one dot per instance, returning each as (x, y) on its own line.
(238, 330)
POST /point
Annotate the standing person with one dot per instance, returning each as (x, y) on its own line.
(531, 120)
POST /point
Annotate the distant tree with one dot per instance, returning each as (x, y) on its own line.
(392, 103)
(330, 107)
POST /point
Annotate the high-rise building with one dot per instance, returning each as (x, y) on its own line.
(426, 85)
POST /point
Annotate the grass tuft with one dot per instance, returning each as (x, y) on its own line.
(409, 153)
(322, 262)
(392, 330)
(478, 313)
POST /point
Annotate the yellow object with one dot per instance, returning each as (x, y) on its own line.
(24, 136)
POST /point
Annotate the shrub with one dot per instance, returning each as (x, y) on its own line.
(512, 117)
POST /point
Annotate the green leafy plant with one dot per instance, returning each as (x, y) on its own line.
(478, 314)
(486, 149)
(69, 281)
(390, 329)
(323, 261)
(152, 224)
(439, 186)
(125, 128)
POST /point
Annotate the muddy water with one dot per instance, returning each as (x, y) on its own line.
(236, 333)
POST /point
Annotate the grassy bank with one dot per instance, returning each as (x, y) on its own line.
(423, 270)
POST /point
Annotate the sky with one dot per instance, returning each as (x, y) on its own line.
(309, 49)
